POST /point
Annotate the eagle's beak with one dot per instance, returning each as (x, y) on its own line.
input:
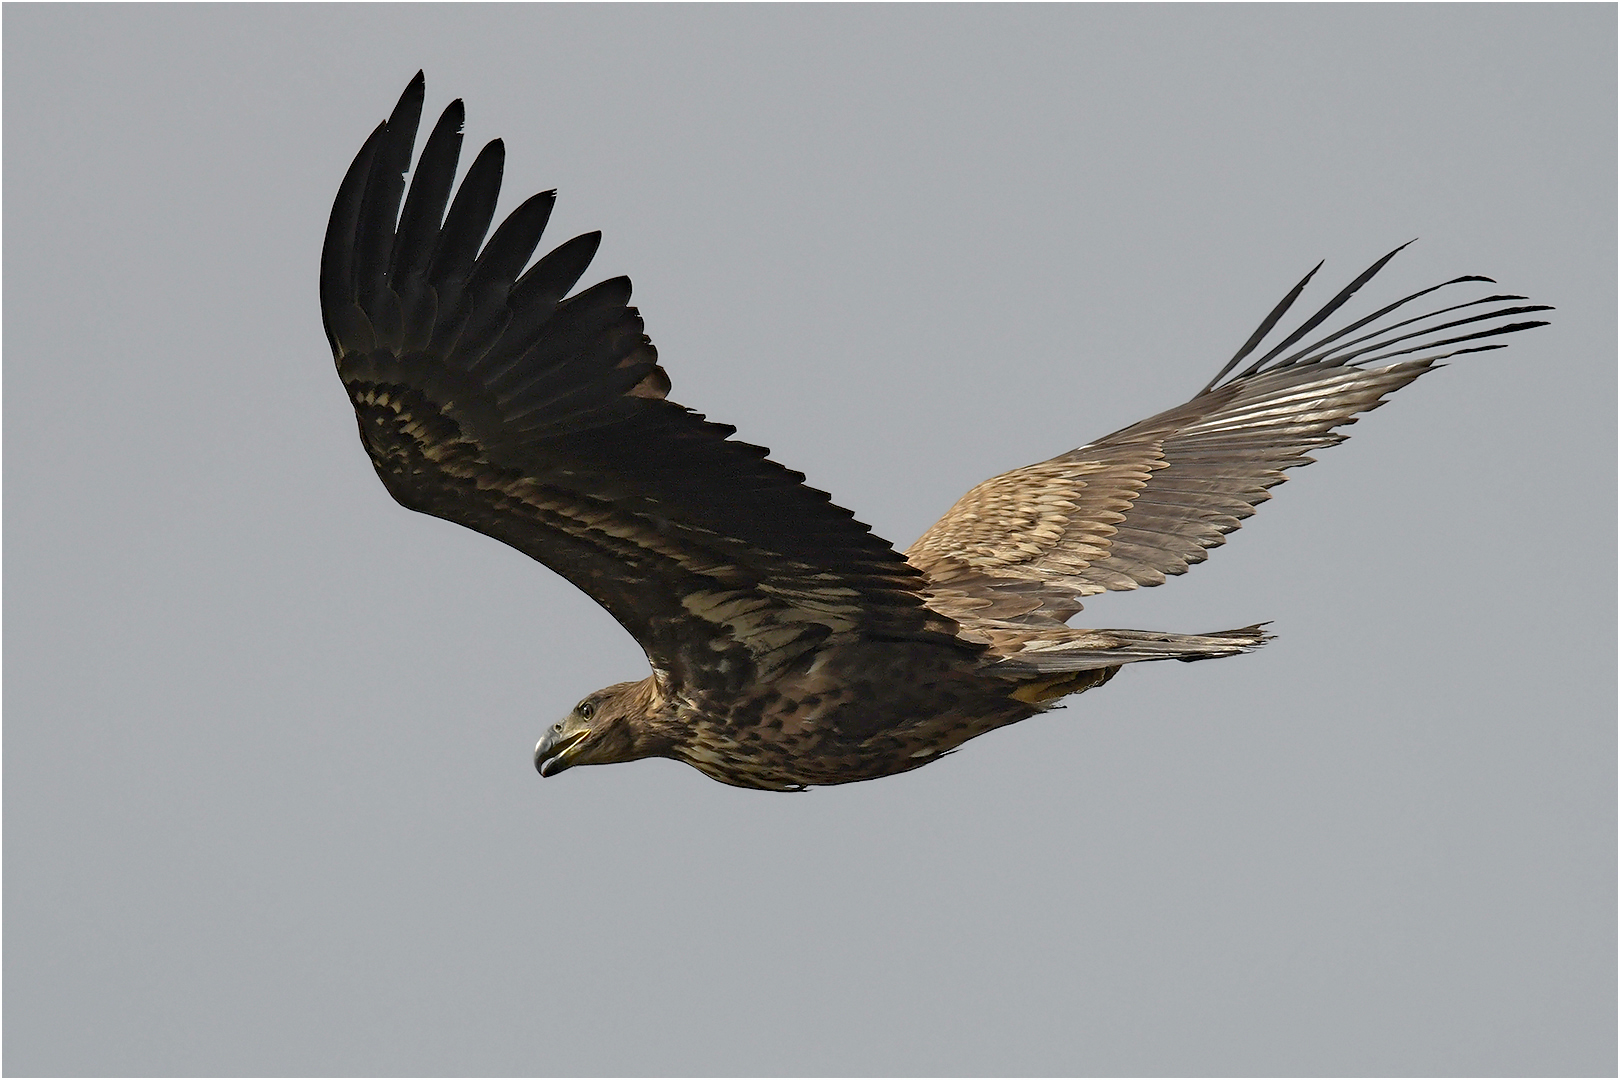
(551, 753)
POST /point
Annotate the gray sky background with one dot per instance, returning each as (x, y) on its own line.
(269, 806)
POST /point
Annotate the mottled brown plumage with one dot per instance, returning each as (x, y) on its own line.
(789, 646)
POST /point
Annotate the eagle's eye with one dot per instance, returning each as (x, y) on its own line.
(585, 709)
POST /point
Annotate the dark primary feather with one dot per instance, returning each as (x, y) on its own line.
(490, 400)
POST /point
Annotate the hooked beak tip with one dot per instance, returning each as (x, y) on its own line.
(551, 756)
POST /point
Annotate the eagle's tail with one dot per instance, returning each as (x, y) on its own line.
(1049, 663)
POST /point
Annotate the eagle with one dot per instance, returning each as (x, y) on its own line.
(790, 646)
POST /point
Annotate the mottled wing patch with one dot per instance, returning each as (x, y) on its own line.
(1149, 501)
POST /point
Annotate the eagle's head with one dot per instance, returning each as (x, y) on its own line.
(617, 723)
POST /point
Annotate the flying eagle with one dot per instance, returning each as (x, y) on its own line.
(789, 645)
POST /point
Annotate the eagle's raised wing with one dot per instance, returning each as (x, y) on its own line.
(1146, 502)
(488, 399)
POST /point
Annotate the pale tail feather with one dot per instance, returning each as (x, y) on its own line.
(1051, 651)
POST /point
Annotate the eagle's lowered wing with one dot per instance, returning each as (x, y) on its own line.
(1148, 501)
(488, 399)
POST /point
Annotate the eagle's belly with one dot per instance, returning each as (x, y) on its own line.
(836, 723)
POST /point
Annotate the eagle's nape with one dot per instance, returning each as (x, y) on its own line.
(789, 645)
